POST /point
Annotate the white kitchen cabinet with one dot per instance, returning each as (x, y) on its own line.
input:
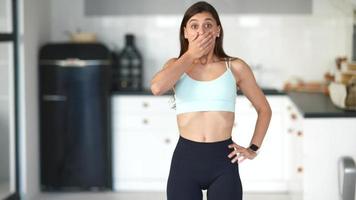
(267, 172)
(294, 147)
(145, 134)
(325, 141)
(316, 144)
(144, 137)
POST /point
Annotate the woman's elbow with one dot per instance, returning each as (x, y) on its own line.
(266, 110)
(155, 89)
(269, 111)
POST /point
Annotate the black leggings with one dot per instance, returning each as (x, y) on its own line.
(197, 166)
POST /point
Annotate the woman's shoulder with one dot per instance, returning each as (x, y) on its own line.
(238, 63)
(239, 67)
(235, 59)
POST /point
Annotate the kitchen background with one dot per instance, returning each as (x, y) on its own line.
(275, 41)
(282, 45)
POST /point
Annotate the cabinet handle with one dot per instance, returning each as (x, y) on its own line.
(145, 104)
(167, 141)
(293, 116)
(300, 133)
(145, 121)
(54, 97)
(290, 130)
(300, 169)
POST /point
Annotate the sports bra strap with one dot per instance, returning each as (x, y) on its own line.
(228, 63)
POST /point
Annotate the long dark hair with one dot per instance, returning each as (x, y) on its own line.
(194, 9)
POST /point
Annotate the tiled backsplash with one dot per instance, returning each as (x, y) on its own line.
(280, 46)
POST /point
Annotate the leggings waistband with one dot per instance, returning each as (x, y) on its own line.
(187, 146)
(217, 143)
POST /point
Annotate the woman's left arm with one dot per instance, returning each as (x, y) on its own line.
(246, 81)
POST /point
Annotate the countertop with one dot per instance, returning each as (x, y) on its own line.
(317, 105)
(266, 91)
(310, 105)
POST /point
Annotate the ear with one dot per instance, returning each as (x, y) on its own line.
(218, 35)
(185, 33)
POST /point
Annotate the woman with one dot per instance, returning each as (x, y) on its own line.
(205, 81)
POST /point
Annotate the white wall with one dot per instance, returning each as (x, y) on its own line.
(35, 29)
(285, 45)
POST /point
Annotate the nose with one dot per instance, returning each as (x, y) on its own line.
(201, 30)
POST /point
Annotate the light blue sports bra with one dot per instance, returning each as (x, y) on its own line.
(218, 94)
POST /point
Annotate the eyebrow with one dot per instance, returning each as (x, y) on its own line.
(206, 19)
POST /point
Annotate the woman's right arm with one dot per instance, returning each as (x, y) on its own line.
(166, 78)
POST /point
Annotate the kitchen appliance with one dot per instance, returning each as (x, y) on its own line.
(74, 81)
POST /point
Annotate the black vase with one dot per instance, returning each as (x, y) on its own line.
(130, 66)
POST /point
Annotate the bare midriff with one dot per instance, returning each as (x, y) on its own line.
(206, 126)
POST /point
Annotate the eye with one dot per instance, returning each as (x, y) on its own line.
(194, 26)
(208, 25)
